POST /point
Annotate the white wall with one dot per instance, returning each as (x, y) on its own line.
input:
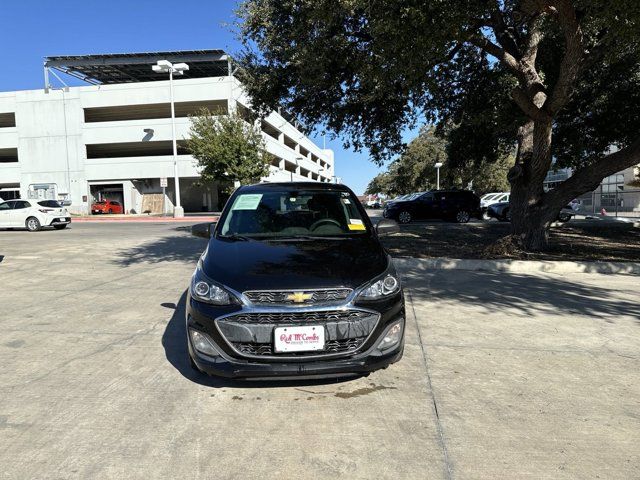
(51, 135)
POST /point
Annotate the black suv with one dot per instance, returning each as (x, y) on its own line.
(294, 282)
(453, 205)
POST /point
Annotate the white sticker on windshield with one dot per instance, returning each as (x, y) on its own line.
(346, 201)
(247, 202)
(355, 221)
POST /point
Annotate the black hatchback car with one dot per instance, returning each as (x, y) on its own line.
(454, 205)
(294, 282)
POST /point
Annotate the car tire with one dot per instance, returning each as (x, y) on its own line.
(506, 216)
(32, 224)
(564, 218)
(60, 227)
(404, 217)
(485, 215)
(463, 216)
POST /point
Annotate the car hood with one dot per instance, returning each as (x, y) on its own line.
(301, 264)
(399, 203)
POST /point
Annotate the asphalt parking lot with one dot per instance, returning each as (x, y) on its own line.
(504, 375)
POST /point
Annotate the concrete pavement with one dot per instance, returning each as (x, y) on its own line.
(504, 376)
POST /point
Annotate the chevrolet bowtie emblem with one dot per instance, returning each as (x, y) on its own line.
(299, 297)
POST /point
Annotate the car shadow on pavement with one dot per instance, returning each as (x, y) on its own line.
(174, 341)
(184, 248)
(528, 294)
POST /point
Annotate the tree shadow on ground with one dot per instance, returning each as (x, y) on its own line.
(183, 248)
(527, 294)
(174, 341)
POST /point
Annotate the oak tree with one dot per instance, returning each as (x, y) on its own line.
(561, 78)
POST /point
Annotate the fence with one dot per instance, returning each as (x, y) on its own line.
(614, 201)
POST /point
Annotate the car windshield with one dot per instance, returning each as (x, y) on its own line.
(101, 202)
(293, 213)
(490, 196)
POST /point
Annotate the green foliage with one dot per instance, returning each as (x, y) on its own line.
(227, 148)
(366, 69)
(415, 171)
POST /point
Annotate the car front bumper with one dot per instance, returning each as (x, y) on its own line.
(225, 366)
(230, 363)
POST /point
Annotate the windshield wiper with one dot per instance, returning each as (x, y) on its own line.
(235, 236)
(308, 237)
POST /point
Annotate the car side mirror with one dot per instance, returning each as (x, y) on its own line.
(387, 226)
(203, 230)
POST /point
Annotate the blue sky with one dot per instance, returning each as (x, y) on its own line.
(31, 30)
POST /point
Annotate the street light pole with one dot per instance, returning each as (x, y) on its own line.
(164, 66)
(438, 165)
(178, 210)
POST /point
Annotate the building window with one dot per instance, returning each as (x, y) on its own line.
(152, 111)
(8, 155)
(7, 120)
(134, 149)
(612, 186)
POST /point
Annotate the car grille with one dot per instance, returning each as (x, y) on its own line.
(309, 297)
(251, 333)
(284, 318)
(332, 346)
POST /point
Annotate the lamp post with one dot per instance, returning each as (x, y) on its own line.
(438, 165)
(165, 66)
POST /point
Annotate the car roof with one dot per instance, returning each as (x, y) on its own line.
(262, 187)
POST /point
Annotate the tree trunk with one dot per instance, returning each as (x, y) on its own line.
(530, 217)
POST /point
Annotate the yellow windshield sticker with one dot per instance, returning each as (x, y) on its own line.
(356, 226)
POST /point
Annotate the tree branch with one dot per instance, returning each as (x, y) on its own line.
(534, 36)
(527, 106)
(589, 177)
(502, 33)
(494, 50)
(572, 59)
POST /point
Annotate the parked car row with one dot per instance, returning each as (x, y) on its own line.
(455, 205)
(33, 214)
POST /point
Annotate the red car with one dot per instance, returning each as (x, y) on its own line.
(107, 206)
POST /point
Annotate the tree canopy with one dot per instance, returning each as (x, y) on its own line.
(227, 148)
(560, 78)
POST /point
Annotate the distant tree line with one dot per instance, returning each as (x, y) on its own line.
(414, 170)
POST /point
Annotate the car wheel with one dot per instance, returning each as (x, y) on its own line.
(60, 227)
(32, 224)
(485, 215)
(463, 216)
(404, 217)
(507, 216)
(109, 211)
(563, 217)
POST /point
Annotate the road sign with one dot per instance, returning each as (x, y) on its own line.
(163, 182)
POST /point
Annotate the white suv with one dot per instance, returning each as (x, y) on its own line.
(490, 199)
(33, 214)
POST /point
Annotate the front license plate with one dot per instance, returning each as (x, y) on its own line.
(299, 339)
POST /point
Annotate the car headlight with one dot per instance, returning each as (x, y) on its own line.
(384, 287)
(204, 290)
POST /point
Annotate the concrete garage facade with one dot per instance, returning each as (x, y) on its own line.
(111, 139)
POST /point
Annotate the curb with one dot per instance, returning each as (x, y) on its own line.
(517, 266)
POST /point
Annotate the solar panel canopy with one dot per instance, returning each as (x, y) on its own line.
(136, 67)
